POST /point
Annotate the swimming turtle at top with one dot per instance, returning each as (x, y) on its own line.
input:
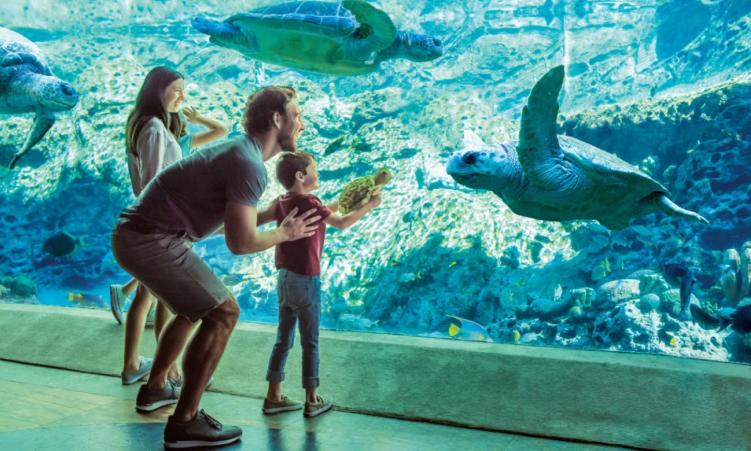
(358, 193)
(28, 86)
(558, 178)
(348, 38)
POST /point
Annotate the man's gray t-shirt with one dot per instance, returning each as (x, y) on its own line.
(189, 197)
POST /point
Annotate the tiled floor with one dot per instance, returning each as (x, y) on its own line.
(49, 409)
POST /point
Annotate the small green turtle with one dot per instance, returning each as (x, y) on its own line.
(358, 193)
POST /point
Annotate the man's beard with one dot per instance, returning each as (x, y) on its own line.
(287, 143)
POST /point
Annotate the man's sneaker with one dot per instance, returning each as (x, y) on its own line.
(179, 383)
(117, 301)
(312, 409)
(143, 371)
(284, 405)
(202, 430)
(151, 317)
(150, 400)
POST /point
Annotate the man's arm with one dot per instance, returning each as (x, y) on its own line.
(269, 214)
(241, 235)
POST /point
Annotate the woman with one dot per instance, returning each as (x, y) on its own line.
(154, 134)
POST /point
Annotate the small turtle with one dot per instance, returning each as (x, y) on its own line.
(558, 178)
(348, 38)
(28, 86)
(357, 193)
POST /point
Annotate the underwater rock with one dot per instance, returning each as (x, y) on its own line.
(584, 296)
(652, 283)
(547, 310)
(576, 315)
(745, 269)
(3, 292)
(21, 286)
(729, 284)
(649, 303)
(670, 302)
(611, 293)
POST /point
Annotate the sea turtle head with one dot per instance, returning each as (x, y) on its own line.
(382, 177)
(418, 47)
(480, 166)
(54, 94)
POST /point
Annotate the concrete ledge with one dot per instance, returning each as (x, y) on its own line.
(653, 402)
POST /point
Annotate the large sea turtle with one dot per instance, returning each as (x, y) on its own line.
(28, 86)
(559, 178)
(348, 38)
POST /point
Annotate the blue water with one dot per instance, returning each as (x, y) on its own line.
(659, 84)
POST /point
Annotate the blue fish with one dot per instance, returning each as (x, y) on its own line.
(678, 273)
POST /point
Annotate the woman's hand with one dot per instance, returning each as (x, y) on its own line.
(191, 114)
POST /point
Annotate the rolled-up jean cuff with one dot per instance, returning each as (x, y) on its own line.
(310, 382)
(274, 376)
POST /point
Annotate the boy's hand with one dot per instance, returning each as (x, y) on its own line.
(298, 227)
(375, 198)
(191, 114)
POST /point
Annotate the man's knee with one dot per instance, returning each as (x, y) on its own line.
(227, 313)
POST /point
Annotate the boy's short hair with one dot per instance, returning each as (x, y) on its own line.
(289, 164)
(262, 104)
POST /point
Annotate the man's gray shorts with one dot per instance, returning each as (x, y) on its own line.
(171, 270)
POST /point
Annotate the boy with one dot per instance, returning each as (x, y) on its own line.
(299, 287)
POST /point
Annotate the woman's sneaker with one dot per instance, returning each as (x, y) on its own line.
(143, 370)
(117, 301)
(202, 430)
(283, 405)
(150, 400)
(324, 404)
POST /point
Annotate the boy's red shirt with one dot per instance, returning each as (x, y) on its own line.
(301, 256)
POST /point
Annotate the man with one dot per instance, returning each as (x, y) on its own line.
(187, 202)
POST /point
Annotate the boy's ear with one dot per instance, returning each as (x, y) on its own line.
(299, 176)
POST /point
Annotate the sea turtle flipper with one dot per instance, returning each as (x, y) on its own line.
(42, 123)
(226, 34)
(539, 150)
(376, 27)
(658, 202)
(16, 59)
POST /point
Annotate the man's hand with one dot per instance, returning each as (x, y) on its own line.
(298, 227)
(191, 114)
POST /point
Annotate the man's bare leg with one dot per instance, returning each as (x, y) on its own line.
(171, 343)
(134, 324)
(202, 356)
(163, 315)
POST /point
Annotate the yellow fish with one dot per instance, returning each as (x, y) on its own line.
(418, 274)
(452, 265)
(674, 342)
(74, 297)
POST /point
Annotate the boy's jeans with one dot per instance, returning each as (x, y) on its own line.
(299, 300)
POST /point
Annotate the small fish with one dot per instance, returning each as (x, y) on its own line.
(79, 298)
(673, 341)
(468, 330)
(558, 293)
(357, 321)
(621, 265)
(452, 264)
(646, 240)
(620, 240)
(600, 241)
(599, 228)
(519, 283)
(601, 270)
(732, 133)
(232, 279)
(62, 244)
(515, 336)
(418, 274)
(680, 273)
(641, 230)
(407, 277)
